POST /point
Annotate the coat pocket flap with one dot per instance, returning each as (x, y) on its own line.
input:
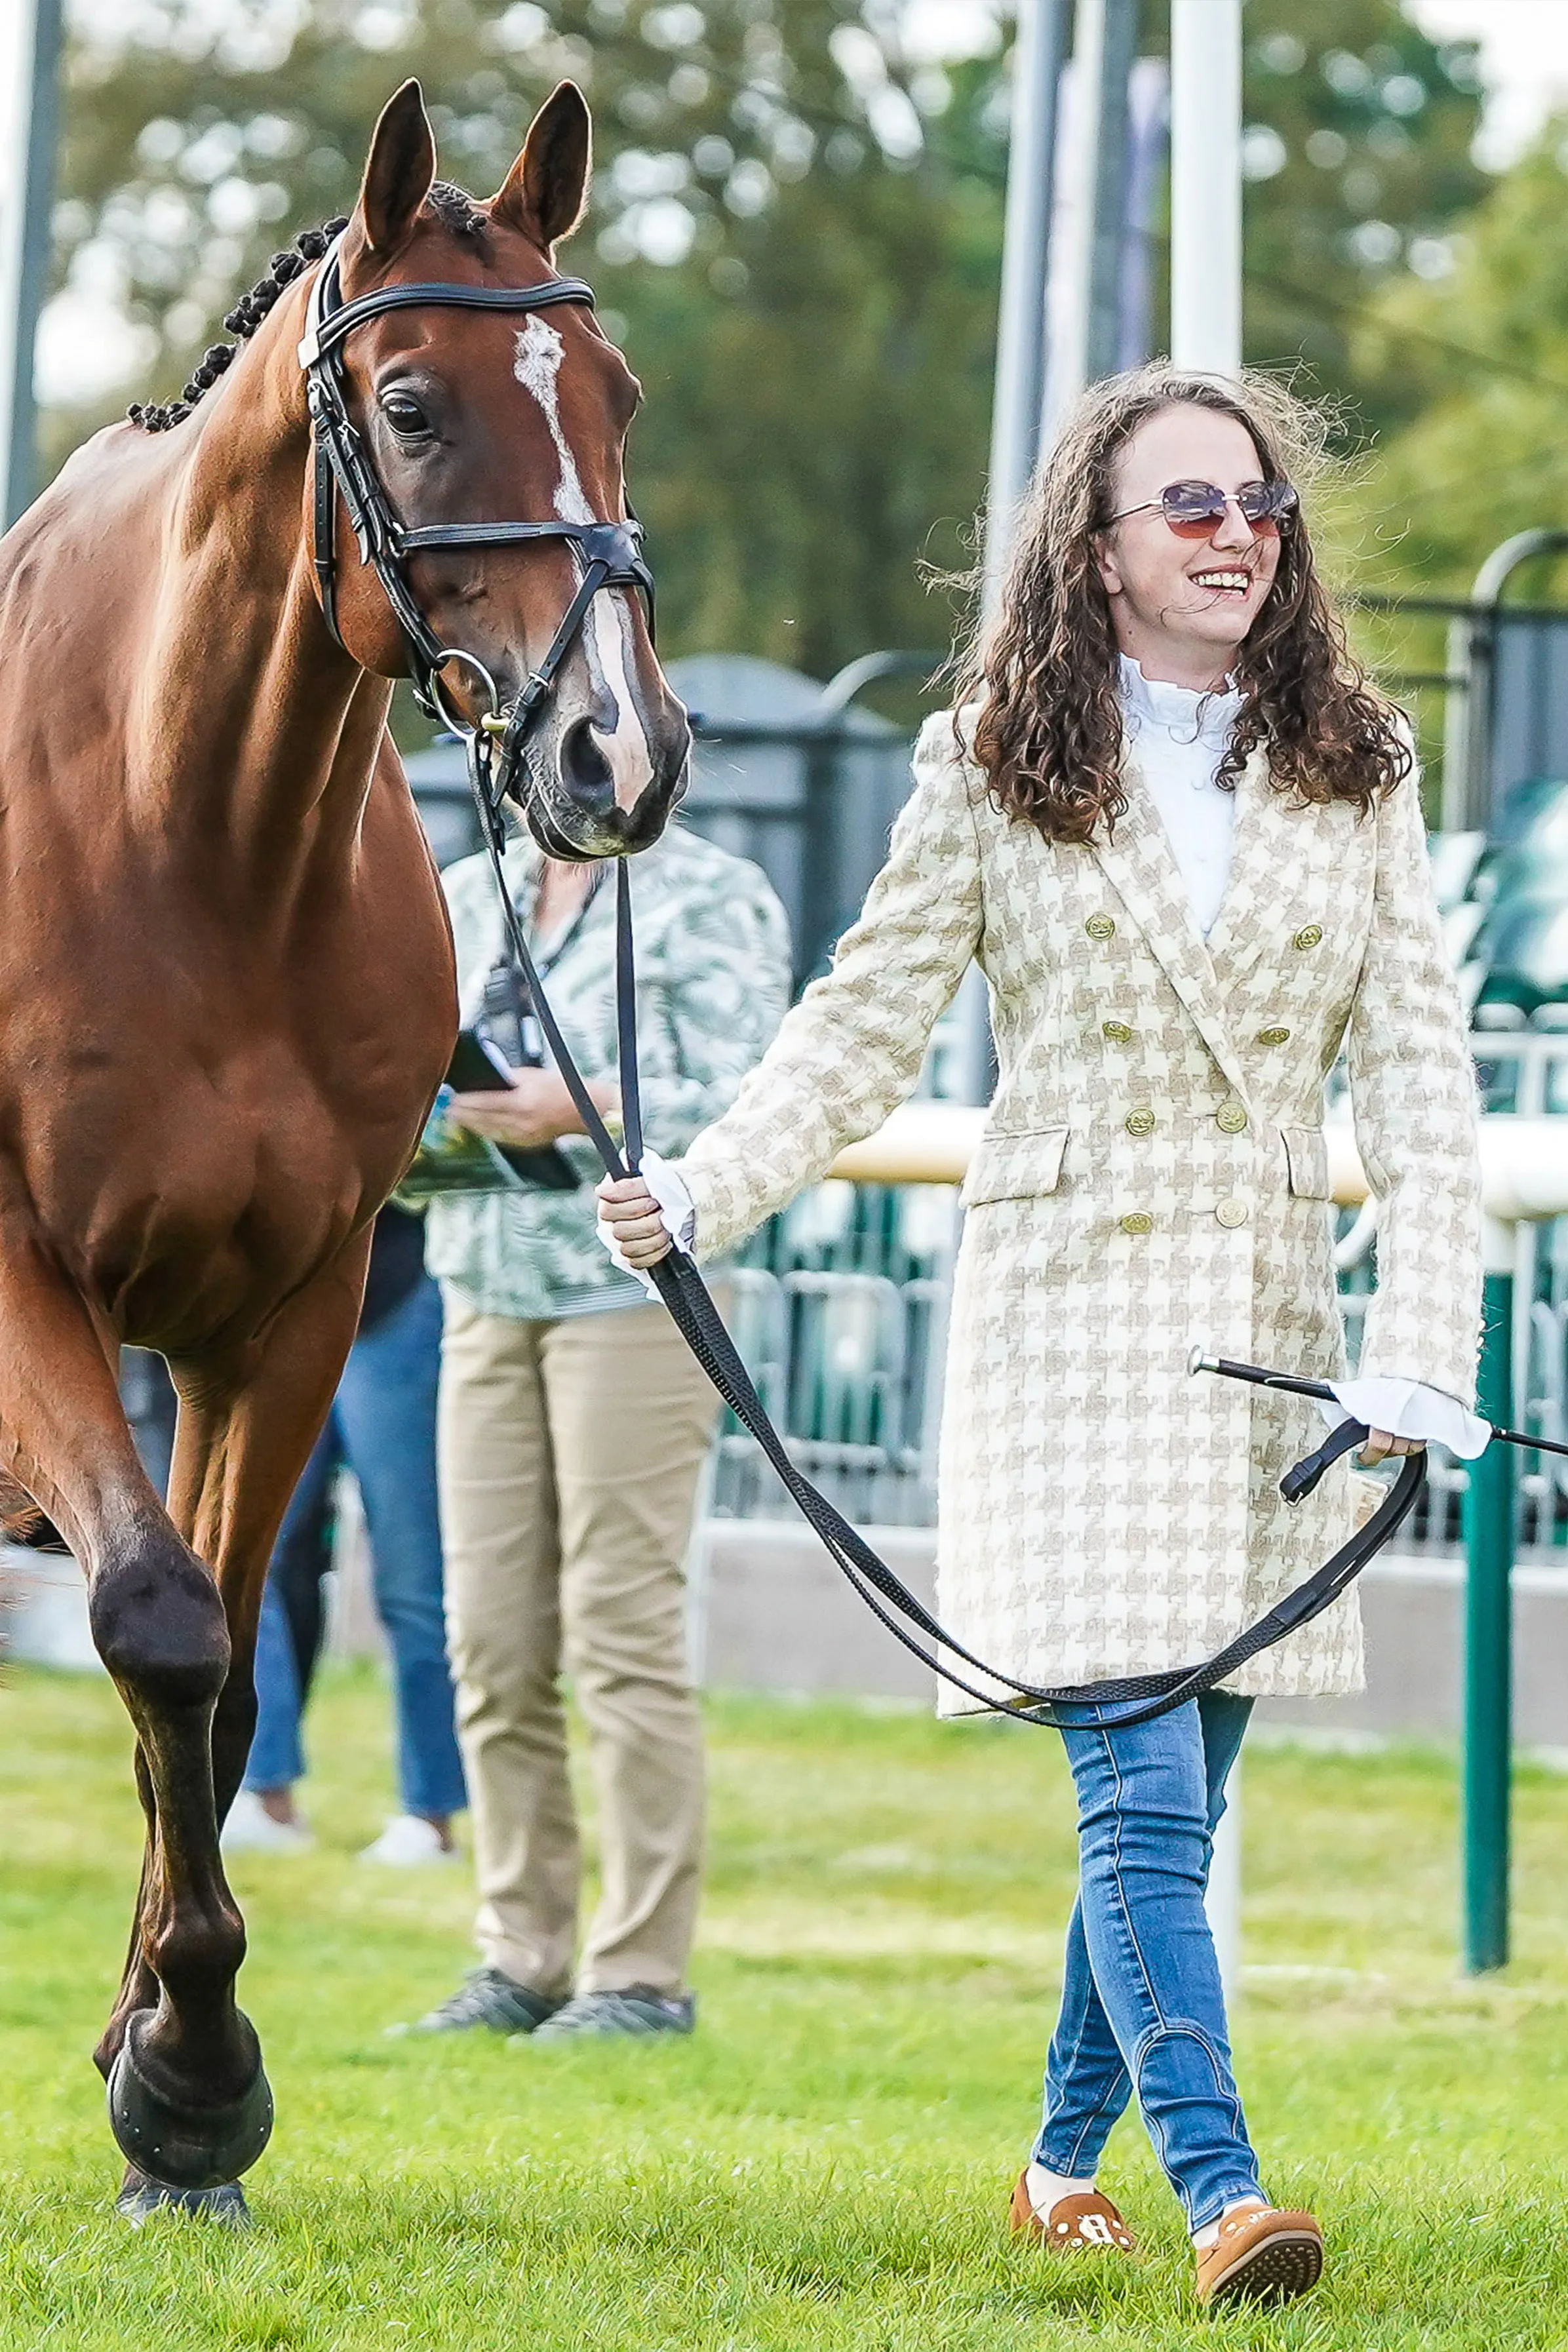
(1015, 1167)
(1307, 1158)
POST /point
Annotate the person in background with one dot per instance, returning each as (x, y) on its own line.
(575, 1427)
(382, 1427)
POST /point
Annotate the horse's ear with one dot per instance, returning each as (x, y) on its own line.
(398, 171)
(543, 193)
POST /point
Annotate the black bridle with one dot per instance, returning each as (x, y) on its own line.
(609, 554)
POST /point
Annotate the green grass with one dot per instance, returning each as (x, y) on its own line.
(826, 2163)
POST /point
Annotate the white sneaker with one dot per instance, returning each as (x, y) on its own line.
(408, 1842)
(250, 1829)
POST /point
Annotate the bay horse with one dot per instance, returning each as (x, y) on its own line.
(226, 990)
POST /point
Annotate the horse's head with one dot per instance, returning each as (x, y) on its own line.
(483, 416)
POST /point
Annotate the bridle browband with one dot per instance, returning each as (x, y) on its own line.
(609, 553)
(611, 557)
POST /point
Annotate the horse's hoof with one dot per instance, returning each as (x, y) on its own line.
(184, 2147)
(140, 2198)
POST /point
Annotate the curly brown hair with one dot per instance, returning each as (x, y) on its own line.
(1048, 735)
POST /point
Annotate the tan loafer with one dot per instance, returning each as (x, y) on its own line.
(1083, 2221)
(1262, 2255)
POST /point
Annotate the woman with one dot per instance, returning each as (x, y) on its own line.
(1181, 836)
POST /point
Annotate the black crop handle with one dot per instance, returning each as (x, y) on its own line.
(1298, 1483)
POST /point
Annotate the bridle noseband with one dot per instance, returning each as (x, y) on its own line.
(609, 553)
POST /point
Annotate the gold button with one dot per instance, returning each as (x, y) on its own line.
(1100, 927)
(1232, 1213)
(1272, 1037)
(1117, 1031)
(1139, 1221)
(1139, 1122)
(1308, 936)
(1231, 1117)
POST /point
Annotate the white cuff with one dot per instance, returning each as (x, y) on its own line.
(676, 1206)
(1407, 1409)
(669, 1188)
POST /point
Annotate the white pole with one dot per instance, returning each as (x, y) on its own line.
(1206, 185)
(1205, 336)
(1224, 1899)
(1025, 262)
(1106, 274)
(1019, 384)
(1070, 361)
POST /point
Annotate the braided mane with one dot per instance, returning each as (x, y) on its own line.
(455, 210)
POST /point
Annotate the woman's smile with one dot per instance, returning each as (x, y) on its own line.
(1235, 581)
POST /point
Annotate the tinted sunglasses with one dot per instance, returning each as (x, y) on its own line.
(1196, 509)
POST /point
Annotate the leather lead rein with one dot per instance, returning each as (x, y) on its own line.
(680, 1283)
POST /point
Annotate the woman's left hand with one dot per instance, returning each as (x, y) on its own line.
(1379, 1447)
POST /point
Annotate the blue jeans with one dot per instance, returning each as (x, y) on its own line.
(382, 1424)
(1142, 2005)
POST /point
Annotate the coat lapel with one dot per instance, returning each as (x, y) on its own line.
(1140, 865)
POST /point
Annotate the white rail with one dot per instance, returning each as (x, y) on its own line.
(1524, 1162)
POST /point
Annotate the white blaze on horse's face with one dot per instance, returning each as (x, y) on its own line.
(606, 635)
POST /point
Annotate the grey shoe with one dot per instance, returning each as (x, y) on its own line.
(630, 2014)
(485, 1998)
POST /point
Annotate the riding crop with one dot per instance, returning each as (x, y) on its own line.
(1353, 1433)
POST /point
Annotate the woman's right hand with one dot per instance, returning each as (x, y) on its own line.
(632, 1220)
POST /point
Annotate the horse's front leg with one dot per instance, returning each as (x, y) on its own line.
(156, 1618)
(188, 2099)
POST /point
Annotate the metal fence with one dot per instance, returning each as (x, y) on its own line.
(840, 1312)
(789, 773)
(1485, 680)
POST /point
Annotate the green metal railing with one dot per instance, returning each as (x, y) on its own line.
(1489, 1518)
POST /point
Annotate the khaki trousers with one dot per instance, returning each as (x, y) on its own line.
(570, 1455)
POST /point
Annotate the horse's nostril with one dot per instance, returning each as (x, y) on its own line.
(584, 770)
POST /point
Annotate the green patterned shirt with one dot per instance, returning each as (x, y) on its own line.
(713, 977)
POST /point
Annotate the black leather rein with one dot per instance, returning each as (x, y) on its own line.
(609, 554)
(1137, 1699)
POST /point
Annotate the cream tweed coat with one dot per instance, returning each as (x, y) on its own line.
(1154, 1176)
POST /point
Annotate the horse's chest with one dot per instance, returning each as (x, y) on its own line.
(262, 1160)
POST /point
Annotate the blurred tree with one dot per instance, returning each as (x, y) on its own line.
(795, 231)
(1357, 152)
(1483, 350)
(803, 277)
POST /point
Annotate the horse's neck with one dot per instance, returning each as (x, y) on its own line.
(255, 714)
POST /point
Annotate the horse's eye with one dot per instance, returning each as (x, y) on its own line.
(405, 415)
